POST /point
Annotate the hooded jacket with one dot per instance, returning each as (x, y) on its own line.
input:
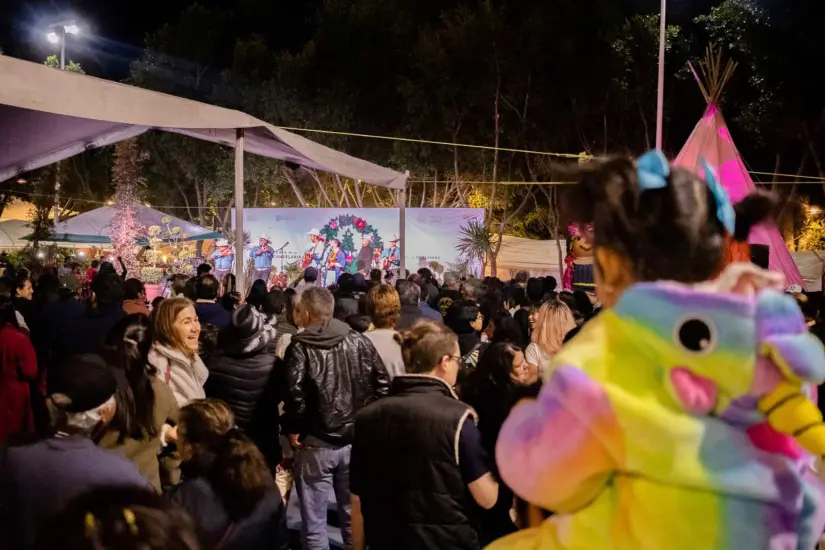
(332, 372)
(184, 375)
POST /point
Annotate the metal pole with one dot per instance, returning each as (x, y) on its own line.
(402, 231)
(62, 47)
(660, 106)
(239, 242)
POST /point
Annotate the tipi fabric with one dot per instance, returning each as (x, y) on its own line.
(711, 140)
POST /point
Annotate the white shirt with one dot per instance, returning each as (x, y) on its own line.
(535, 356)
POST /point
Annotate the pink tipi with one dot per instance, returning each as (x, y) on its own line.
(712, 141)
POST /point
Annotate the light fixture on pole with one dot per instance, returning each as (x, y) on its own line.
(660, 96)
(57, 34)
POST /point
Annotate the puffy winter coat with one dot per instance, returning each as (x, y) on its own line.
(183, 374)
(332, 372)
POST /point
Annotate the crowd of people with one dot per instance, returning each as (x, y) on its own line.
(437, 414)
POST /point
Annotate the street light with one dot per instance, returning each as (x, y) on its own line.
(660, 95)
(57, 33)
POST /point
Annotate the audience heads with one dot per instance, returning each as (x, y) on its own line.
(274, 303)
(346, 282)
(550, 284)
(48, 284)
(257, 294)
(239, 473)
(463, 317)
(122, 518)
(503, 328)
(670, 233)
(133, 289)
(314, 305)
(207, 340)
(177, 283)
(383, 306)
(359, 323)
(23, 286)
(206, 287)
(551, 322)
(426, 275)
(408, 292)
(451, 280)
(583, 303)
(502, 364)
(107, 290)
(203, 269)
(81, 394)
(430, 348)
(473, 290)
(228, 284)
(95, 264)
(535, 290)
(310, 275)
(522, 277)
(156, 302)
(375, 276)
(177, 326)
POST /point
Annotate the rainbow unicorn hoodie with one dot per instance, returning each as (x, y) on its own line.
(663, 425)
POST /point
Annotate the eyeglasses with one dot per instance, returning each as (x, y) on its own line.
(457, 358)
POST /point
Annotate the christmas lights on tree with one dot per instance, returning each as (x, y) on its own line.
(126, 229)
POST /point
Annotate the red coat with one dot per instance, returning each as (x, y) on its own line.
(18, 368)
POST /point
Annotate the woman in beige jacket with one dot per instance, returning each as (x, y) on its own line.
(174, 354)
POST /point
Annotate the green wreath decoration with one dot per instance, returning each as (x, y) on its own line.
(349, 223)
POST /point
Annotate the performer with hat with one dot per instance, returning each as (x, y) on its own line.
(334, 262)
(365, 255)
(262, 256)
(314, 256)
(392, 256)
(223, 257)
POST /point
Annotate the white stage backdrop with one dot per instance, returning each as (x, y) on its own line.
(431, 233)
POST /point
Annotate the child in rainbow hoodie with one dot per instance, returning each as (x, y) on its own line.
(678, 418)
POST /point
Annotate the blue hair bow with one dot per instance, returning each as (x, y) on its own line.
(654, 170)
(724, 208)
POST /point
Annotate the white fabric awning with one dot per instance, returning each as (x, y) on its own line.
(47, 115)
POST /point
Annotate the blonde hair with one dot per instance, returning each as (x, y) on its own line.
(164, 329)
(553, 321)
(383, 306)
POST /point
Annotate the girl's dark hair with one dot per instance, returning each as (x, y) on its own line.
(493, 370)
(239, 474)
(127, 346)
(178, 283)
(275, 302)
(507, 329)
(583, 304)
(228, 284)
(671, 233)
(459, 316)
(122, 518)
(257, 294)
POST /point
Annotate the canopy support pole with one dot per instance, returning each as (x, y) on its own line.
(402, 232)
(239, 241)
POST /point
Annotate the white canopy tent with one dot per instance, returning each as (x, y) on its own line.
(12, 233)
(48, 115)
(95, 226)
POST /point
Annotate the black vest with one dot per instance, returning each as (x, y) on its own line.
(406, 445)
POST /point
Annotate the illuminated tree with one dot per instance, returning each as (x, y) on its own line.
(126, 229)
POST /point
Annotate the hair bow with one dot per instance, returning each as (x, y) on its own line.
(724, 208)
(653, 170)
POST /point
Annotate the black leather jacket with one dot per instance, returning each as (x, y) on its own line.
(332, 372)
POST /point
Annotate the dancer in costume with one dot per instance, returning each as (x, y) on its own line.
(578, 271)
(262, 256)
(676, 418)
(223, 257)
(314, 256)
(334, 261)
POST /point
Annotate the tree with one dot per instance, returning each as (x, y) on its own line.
(126, 229)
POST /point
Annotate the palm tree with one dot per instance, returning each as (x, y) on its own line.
(475, 242)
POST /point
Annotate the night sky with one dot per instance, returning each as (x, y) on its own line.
(114, 30)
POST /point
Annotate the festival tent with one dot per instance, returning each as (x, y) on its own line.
(95, 227)
(48, 115)
(540, 258)
(711, 140)
(12, 233)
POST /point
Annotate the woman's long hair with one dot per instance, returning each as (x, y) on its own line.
(257, 294)
(554, 320)
(238, 473)
(127, 347)
(494, 371)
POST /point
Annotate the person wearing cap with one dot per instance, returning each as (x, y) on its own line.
(392, 255)
(223, 257)
(365, 255)
(239, 372)
(262, 256)
(38, 480)
(314, 256)
(309, 279)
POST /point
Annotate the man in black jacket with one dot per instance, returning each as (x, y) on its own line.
(332, 372)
